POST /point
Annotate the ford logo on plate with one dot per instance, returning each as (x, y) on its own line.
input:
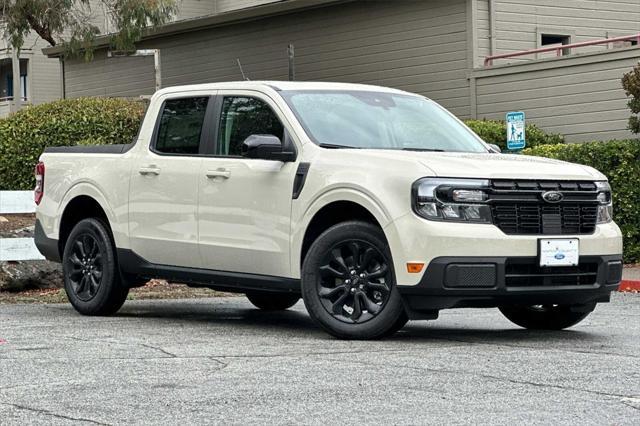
(559, 256)
(552, 196)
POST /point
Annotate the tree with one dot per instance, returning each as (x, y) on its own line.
(72, 23)
(631, 85)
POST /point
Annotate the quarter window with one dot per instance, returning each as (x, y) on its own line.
(180, 126)
(242, 117)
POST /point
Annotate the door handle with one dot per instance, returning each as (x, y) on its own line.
(151, 170)
(221, 173)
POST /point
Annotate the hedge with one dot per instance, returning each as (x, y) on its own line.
(495, 132)
(620, 162)
(24, 135)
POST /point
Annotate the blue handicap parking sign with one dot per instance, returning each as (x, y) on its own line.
(516, 138)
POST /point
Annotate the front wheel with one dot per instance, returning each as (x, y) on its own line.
(544, 317)
(348, 283)
(91, 276)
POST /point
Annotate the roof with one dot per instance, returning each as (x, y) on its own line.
(216, 20)
(280, 85)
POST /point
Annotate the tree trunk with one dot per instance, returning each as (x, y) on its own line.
(41, 31)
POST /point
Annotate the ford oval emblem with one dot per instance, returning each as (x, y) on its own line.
(552, 196)
(559, 256)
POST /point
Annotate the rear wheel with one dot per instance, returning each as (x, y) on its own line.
(91, 275)
(348, 283)
(273, 301)
(544, 317)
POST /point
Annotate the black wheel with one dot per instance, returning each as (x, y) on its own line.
(273, 301)
(91, 276)
(543, 317)
(348, 283)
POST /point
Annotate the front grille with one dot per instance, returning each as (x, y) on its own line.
(528, 273)
(518, 208)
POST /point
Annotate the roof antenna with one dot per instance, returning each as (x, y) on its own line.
(241, 70)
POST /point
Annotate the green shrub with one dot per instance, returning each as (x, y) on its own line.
(620, 162)
(24, 135)
(492, 131)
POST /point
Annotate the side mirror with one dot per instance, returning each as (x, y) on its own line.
(265, 147)
(495, 148)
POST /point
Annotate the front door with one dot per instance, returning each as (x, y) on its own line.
(245, 204)
(163, 196)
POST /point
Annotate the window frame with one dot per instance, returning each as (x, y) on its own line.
(205, 133)
(556, 32)
(210, 152)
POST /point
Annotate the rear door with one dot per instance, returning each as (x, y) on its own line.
(163, 200)
(245, 204)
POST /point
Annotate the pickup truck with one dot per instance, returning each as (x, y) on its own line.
(373, 205)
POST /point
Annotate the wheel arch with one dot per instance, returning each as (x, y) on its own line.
(78, 208)
(330, 209)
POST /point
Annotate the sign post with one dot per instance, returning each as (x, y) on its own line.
(516, 138)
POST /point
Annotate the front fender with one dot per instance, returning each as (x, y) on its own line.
(333, 194)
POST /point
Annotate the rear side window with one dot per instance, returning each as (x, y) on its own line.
(242, 117)
(180, 126)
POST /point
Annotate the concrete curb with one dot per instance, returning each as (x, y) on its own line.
(629, 286)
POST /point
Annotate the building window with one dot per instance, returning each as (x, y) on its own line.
(6, 80)
(555, 40)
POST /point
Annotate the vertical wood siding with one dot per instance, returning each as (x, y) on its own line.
(483, 32)
(194, 8)
(46, 76)
(121, 77)
(519, 21)
(579, 97)
(418, 46)
(227, 5)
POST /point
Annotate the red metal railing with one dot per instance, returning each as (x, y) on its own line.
(488, 61)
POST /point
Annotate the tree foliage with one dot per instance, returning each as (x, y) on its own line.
(631, 85)
(74, 23)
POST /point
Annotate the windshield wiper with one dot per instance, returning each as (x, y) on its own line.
(336, 146)
(424, 149)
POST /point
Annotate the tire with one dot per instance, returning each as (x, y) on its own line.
(362, 305)
(543, 317)
(91, 276)
(273, 301)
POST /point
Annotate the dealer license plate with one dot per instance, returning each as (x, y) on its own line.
(559, 252)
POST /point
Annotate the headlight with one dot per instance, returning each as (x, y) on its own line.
(605, 207)
(456, 200)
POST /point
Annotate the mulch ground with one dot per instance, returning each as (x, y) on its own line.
(13, 222)
(155, 289)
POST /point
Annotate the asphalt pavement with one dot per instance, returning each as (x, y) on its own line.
(221, 361)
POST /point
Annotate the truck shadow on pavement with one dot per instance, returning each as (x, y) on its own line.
(296, 321)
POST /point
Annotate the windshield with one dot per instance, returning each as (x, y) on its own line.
(378, 120)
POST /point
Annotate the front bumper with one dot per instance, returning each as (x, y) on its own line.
(414, 239)
(460, 282)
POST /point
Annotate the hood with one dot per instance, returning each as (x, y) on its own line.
(505, 166)
(496, 166)
(468, 165)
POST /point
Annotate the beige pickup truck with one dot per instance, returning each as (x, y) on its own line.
(374, 205)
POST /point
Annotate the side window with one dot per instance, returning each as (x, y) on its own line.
(181, 126)
(242, 117)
